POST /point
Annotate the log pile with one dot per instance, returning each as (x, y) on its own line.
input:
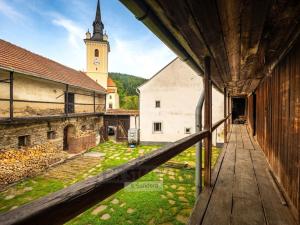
(16, 164)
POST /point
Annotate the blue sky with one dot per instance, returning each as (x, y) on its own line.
(56, 29)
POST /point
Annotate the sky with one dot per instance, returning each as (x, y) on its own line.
(56, 29)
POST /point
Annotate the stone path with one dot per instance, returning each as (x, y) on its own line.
(71, 169)
(175, 200)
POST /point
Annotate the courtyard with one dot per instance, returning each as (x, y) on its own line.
(170, 201)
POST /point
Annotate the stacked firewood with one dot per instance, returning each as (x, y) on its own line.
(16, 164)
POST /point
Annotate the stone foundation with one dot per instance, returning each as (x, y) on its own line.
(86, 133)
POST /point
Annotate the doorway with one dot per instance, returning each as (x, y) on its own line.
(69, 132)
(238, 110)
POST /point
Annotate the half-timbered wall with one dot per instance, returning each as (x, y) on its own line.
(278, 123)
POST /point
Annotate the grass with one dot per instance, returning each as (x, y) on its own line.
(170, 205)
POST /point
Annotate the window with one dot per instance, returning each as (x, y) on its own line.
(157, 104)
(157, 127)
(110, 97)
(69, 102)
(51, 135)
(96, 53)
(23, 141)
(83, 128)
(110, 106)
(187, 130)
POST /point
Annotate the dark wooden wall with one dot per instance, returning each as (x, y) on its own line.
(278, 123)
(250, 118)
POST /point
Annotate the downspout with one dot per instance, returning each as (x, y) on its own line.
(139, 116)
(198, 167)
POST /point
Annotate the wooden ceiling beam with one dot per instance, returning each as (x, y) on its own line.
(281, 30)
(210, 28)
(229, 12)
(253, 17)
(183, 23)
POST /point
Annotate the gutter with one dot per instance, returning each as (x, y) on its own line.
(138, 92)
(144, 14)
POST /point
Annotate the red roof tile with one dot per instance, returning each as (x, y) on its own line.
(110, 82)
(26, 62)
(122, 112)
(109, 90)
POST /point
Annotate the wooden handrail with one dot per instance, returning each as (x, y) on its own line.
(217, 124)
(63, 205)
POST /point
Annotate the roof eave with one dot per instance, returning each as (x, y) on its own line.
(10, 69)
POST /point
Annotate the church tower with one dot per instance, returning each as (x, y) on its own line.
(97, 49)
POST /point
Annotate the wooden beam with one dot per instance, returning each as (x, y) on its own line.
(229, 12)
(94, 102)
(59, 207)
(11, 95)
(211, 30)
(229, 112)
(207, 120)
(225, 114)
(67, 100)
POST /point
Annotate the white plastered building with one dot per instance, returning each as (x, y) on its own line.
(168, 104)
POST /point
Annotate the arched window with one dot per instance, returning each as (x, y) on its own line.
(96, 53)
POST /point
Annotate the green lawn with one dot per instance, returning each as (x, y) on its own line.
(170, 205)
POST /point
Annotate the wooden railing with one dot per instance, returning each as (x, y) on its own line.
(63, 205)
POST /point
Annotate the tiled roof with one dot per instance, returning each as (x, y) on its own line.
(122, 112)
(110, 90)
(26, 62)
(110, 82)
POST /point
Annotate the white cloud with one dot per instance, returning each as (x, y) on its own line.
(75, 32)
(9, 11)
(136, 57)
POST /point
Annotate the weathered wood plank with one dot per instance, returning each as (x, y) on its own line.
(219, 209)
(207, 121)
(204, 198)
(276, 213)
(247, 206)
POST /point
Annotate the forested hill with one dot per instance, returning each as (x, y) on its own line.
(127, 85)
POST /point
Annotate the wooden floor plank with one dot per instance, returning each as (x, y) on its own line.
(219, 210)
(243, 193)
(275, 211)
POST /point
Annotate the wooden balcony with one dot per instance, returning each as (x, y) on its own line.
(244, 190)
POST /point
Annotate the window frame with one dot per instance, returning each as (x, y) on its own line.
(96, 52)
(157, 104)
(51, 135)
(26, 141)
(157, 131)
(187, 132)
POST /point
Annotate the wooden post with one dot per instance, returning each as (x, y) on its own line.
(67, 100)
(225, 115)
(11, 95)
(94, 102)
(207, 121)
(229, 111)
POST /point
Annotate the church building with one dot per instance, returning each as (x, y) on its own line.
(97, 49)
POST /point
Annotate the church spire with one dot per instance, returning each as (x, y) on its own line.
(98, 25)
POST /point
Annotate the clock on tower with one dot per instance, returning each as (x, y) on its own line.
(97, 49)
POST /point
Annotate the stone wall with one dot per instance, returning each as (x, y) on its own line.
(38, 132)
